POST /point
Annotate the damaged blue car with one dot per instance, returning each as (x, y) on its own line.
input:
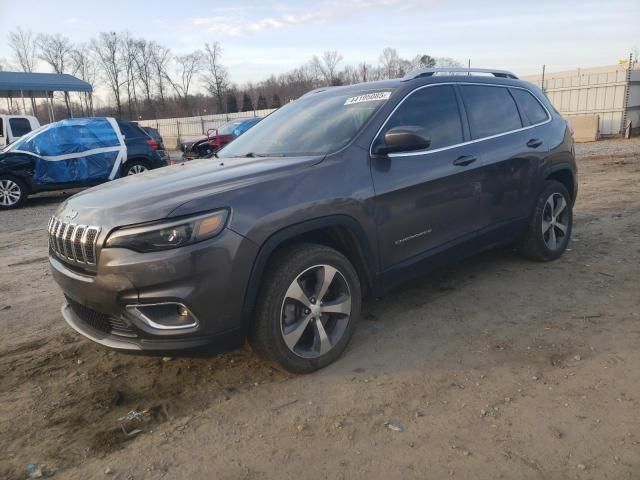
(79, 152)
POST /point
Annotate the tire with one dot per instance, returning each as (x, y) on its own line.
(134, 167)
(280, 319)
(538, 243)
(13, 192)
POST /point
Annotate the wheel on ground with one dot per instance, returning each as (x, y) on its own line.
(13, 192)
(307, 308)
(550, 225)
(135, 167)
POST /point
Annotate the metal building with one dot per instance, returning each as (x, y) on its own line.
(611, 93)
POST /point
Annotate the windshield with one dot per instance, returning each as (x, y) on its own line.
(227, 128)
(19, 143)
(317, 124)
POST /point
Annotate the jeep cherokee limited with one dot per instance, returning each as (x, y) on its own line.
(344, 192)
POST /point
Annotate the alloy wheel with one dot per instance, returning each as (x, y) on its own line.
(315, 311)
(135, 169)
(555, 221)
(10, 193)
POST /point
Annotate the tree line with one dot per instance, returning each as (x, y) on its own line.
(147, 80)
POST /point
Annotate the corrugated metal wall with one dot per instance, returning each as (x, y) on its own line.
(598, 91)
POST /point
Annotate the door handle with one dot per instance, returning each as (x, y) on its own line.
(464, 160)
(534, 143)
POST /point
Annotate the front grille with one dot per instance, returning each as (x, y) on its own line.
(101, 321)
(72, 242)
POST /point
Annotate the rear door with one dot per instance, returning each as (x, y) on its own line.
(508, 150)
(428, 199)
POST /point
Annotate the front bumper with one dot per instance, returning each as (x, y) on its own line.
(209, 278)
(223, 341)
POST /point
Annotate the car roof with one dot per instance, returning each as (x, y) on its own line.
(430, 76)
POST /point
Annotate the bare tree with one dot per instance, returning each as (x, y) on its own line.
(326, 67)
(84, 67)
(187, 67)
(23, 45)
(445, 62)
(423, 61)
(129, 53)
(390, 63)
(144, 69)
(107, 48)
(217, 77)
(160, 57)
(55, 50)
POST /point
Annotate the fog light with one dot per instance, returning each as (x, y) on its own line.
(164, 316)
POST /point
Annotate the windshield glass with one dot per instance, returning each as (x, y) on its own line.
(23, 140)
(317, 124)
(227, 128)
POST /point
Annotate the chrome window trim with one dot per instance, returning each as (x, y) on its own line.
(469, 142)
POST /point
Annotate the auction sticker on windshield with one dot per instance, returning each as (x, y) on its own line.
(369, 97)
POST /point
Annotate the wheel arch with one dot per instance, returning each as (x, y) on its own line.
(566, 176)
(340, 232)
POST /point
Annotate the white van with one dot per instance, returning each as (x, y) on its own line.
(13, 127)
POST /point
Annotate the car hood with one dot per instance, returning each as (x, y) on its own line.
(159, 193)
(190, 141)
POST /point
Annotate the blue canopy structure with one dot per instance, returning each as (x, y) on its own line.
(15, 85)
(39, 85)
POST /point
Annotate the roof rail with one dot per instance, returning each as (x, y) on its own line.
(429, 72)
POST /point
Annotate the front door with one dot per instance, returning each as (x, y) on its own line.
(428, 199)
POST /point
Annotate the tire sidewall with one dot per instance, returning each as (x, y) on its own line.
(273, 309)
(550, 188)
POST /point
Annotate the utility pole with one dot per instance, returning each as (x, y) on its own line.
(542, 81)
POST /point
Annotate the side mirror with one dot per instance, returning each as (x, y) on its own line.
(403, 139)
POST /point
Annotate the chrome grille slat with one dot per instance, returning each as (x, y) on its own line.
(72, 242)
(57, 235)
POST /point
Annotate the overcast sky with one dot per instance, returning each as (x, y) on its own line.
(264, 37)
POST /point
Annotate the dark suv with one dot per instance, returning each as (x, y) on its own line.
(343, 193)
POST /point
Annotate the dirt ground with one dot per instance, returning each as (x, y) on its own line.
(495, 368)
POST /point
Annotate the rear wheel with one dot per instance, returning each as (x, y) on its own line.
(135, 167)
(13, 192)
(550, 225)
(308, 308)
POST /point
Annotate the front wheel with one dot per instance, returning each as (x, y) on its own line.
(550, 225)
(13, 192)
(308, 308)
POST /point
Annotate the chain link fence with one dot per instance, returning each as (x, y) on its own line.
(174, 130)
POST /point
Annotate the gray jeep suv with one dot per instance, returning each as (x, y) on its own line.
(343, 193)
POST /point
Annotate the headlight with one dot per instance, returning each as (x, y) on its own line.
(170, 234)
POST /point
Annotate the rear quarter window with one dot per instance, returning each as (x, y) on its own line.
(130, 130)
(19, 126)
(491, 110)
(529, 106)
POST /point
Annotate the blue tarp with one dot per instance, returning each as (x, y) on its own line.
(75, 150)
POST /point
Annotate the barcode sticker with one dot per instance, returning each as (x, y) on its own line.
(369, 97)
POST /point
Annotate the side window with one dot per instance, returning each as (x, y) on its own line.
(1, 128)
(436, 110)
(529, 106)
(129, 130)
(19, 126)
(491, 110)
